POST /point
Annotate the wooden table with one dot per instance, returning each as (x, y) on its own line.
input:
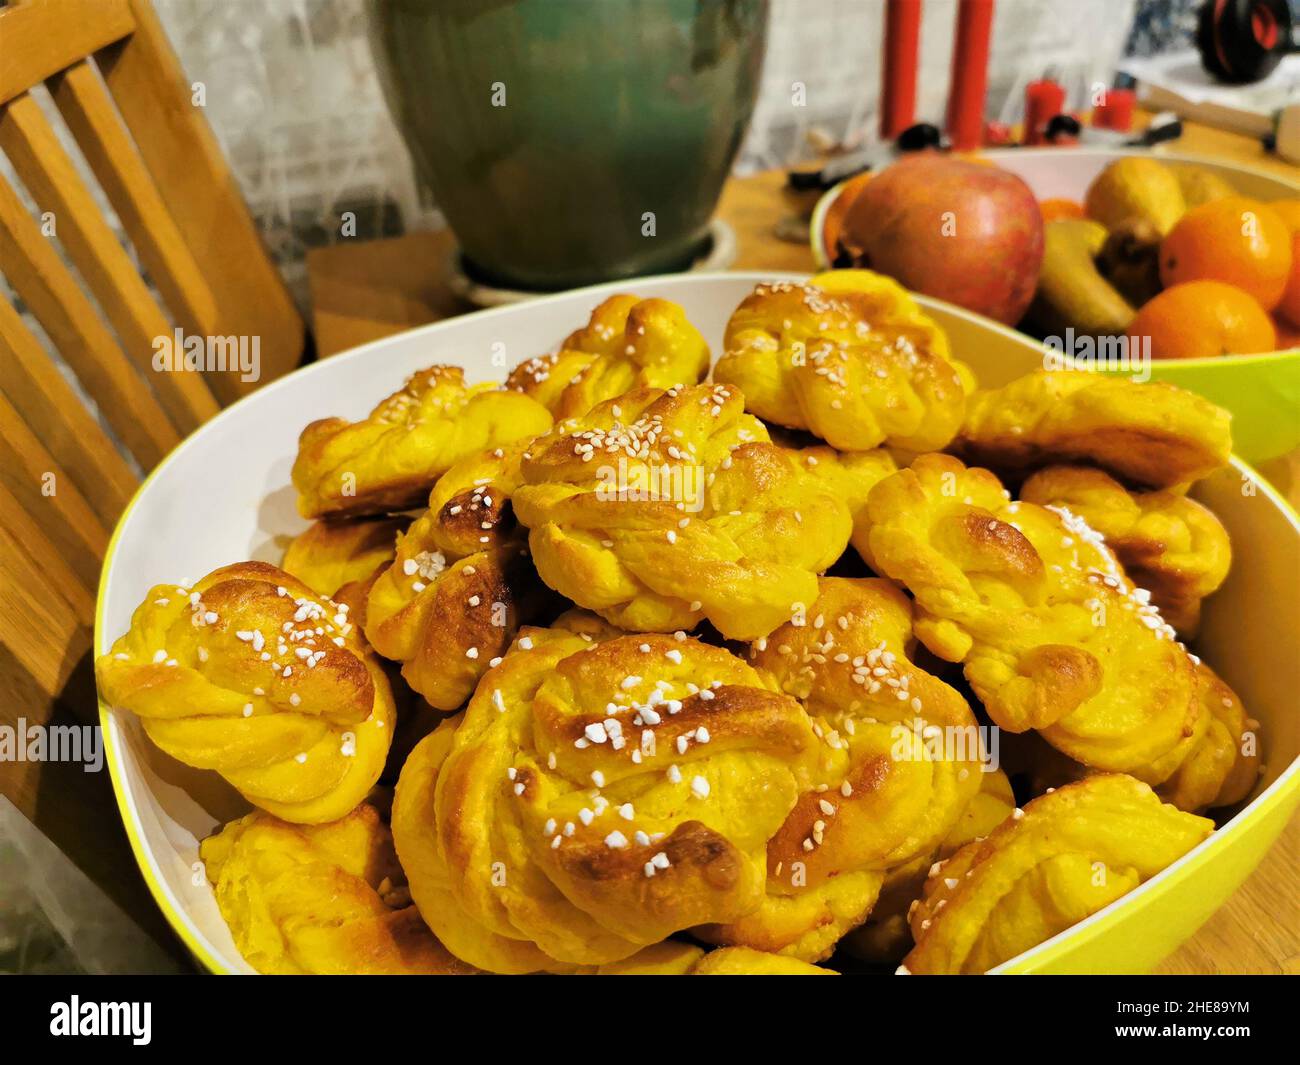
(361, 292)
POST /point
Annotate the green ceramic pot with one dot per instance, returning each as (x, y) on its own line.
(572, 141)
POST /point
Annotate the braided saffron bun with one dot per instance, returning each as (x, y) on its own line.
(1062, 858)
(675, 958)
(599, 793)
(451, 600)
(324, 899)
(253, 675)
(1168, 544)
(885, 936)
(1052, 634)
(901, 761)
(859, 365)
(659, 509)
(628, 343)
(330, 554)
(1151, 434)
(390, 460)
(741, 961)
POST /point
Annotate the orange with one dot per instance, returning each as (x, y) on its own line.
(1289, 306)
(1053, 209)
(1200, 318)
(1236, 240)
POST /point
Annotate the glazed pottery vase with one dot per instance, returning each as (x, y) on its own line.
(572, 141)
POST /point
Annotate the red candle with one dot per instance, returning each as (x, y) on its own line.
(1043, 100)
(970, 62)
(1115, 111)
(898, 84)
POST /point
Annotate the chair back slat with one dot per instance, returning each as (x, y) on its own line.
(48, 615)
(41, 37)
(33, 148)
(37, 274)
(41, 488)
(178, 147)
(56, 413)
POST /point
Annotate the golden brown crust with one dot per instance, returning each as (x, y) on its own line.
(1052, 634)
(1170, 545)
(329, 554)
(858, 366)
(252, 674)
(902, 760)
(885, 936)
(627, 343)
(1152, 434)
(323, 899)
(741, 961)
(598, 794)
(389, 461)
(459, 584)
(1064, 856)
(658, 509)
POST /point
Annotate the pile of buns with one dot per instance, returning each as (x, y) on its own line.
(688, 674)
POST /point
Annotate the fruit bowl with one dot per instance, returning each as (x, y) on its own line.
(1261, 391)
(224, 494)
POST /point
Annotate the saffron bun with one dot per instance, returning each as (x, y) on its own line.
(676, 958)
(453, 596)
(741, 961)
(1154, 434)
(601, 792)
(1065, 856)
(330, 554)
(856, 363)
(1052, 634)
(627, 343)
(886, 936)
(389, 461)
(252, 674)
(660, 509)
(900, 763)
(320, 899)
(1170, 545)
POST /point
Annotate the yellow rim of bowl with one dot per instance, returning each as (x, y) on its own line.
(1277, 793)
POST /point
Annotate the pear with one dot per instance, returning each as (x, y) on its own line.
(1130, 260)
(1136, 187)
(1200, 185)
(1072, 293)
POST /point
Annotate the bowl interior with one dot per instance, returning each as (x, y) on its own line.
(224, 495)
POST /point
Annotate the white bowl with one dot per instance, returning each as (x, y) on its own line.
(224, 496)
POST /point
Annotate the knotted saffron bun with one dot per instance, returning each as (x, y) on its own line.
(330, 554)
(741, 961)
(1052, 634)
(320, 899)
(676, 958)
(253, 675)
(901, 761)
(628, 343)
(599, 793)
(659, 509)
(451, 600)
(885, 936)
(390, 460)
(1063, 857)
(1152, 434)
(856, 363)
(1168, 544)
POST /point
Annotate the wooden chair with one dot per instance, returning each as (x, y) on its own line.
(123, 97)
